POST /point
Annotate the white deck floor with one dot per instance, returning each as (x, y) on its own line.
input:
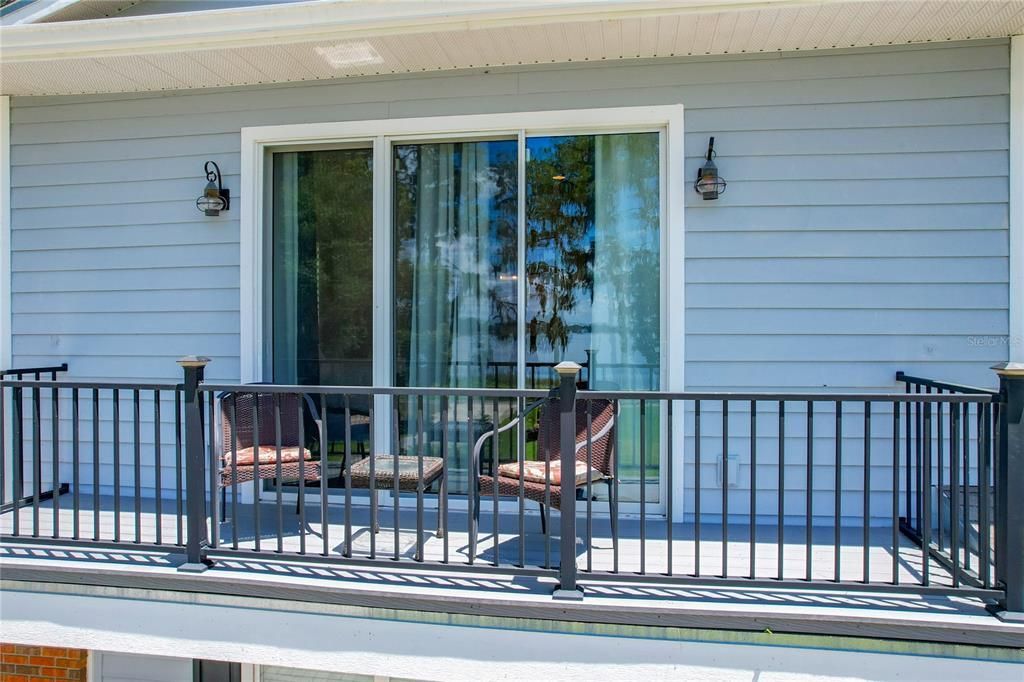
(536, 548)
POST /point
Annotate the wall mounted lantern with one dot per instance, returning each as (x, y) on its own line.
(709, 183)
(214, 198)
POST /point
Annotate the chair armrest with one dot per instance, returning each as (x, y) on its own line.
(594, 437)
(318, 420)
(478, 446)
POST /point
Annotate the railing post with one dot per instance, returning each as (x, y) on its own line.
(1009, 484)
(195, 468)
(567, 588)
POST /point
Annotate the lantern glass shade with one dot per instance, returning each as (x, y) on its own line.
(211, 203)
(709, 183)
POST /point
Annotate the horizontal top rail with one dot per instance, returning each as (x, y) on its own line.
(607, 395)
(84, 384)
(791, 397)
(379, 390)
(20, 371)
(944, 385)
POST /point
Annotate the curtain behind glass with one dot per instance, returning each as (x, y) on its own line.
(593, 257)
(455, 244)
(323, 267)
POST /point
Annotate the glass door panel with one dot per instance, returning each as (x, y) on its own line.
(455, 284)
(593, 276)
(322, 282)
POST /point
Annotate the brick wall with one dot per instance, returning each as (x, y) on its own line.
(20, 663)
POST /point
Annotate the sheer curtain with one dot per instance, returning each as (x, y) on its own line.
(625, 332)
(286, 268)
(450, 303)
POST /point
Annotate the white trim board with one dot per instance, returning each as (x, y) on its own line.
(1016, 194)
(5, 232)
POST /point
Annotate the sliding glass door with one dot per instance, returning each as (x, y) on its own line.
(506, 256)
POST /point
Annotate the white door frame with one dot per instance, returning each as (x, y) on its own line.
(257, 142)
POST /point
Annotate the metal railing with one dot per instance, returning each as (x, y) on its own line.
(878, 491)
(949, 479)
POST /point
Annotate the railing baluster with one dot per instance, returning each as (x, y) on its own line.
(96, 499)
(780, 533)
(966, 481)
(546, 510)
(17, 458)
(178, 467)
(643, 487)
(300, 504)
(396, 483)
(55, 457)
(116, 437)
(325, 452)
(590, 492)
(495, 463)
(919, 440)
(233, 408)
(521, 459)
(954, 483)
(278, 473)
(37, 460)
(866, 551)
(614, 492)
(940, 473)
(984, 480)
(696, 487)
(669, 515)
(347, 471)
(157, 464)
(212, 466)
(838, 495)
(753, 489)
(896, 491)
(725, 488)
(808, 540)
(925, 494)
(76, 498)
(257, 526)
(908, 510)
(374, 511)
(421, 429)
(442, 502)
(137, 463)
(475, 492)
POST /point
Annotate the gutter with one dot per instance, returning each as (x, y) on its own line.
(328, 20)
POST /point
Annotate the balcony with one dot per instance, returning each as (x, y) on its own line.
(885, 515)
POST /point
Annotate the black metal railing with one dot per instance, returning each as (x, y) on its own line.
(950, 478)
(880, 491)
(57, 487)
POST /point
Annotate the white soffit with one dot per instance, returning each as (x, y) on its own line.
(332, 39)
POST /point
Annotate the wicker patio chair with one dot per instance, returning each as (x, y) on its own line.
(533, 485)
(241, 414)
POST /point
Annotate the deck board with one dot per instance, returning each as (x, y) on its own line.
(598, 554)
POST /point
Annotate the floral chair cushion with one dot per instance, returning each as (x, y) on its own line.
(268, 455)
(538, 472)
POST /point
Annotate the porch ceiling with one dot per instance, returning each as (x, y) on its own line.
(338, 39)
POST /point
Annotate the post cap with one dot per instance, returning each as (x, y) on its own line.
(567, 368)
(1009, 369)
(193, 361)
